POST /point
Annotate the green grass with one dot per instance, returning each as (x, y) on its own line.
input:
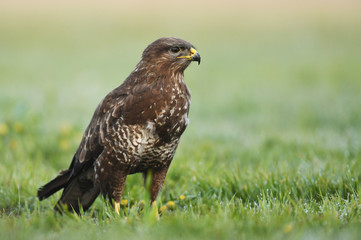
(273, 150)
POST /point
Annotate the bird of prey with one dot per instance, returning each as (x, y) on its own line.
(136, 128)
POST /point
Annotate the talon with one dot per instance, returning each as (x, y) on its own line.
(154, 211)
(117, 207)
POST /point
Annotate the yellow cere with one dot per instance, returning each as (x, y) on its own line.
(193, 51)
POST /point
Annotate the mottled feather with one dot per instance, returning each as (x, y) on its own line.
(135, 128)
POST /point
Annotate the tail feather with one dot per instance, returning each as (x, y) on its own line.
(81, 191)
(54, 185)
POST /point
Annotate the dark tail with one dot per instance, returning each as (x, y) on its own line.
(79, 191)
(54, 185)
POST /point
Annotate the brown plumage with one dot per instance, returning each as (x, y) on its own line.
(135, 129)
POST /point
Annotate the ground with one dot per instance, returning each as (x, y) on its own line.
(273, 149)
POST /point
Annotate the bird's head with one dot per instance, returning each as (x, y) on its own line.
(171, 53)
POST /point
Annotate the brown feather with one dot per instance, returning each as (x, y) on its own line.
(54, 185)
(80, 190)
(135, 128)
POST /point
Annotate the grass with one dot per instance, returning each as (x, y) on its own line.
(273, 150)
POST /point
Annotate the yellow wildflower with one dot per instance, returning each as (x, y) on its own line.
(18, 127)
(163, 208)
(141, 203)
(182, 197)
(288, 228)
(4, 129)
(64, 144)
(124, 202)
(65, 129)
(13, 144)
(171, 204)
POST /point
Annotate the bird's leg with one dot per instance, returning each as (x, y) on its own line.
(145, 175)
(117, 207)
(157, 183)
(118, 189)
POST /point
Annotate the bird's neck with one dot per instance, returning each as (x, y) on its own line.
(158, 72)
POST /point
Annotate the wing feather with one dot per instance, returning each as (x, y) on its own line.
(93, 141)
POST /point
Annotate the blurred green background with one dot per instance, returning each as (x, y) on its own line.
(278, 66)
(277, 94)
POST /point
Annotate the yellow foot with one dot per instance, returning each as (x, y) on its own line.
(117, 207)
(154, 211)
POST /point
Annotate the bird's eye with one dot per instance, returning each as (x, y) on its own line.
(175, 49)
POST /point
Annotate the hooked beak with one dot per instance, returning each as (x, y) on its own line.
(193, 57)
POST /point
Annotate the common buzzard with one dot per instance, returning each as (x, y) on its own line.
(135, 129)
